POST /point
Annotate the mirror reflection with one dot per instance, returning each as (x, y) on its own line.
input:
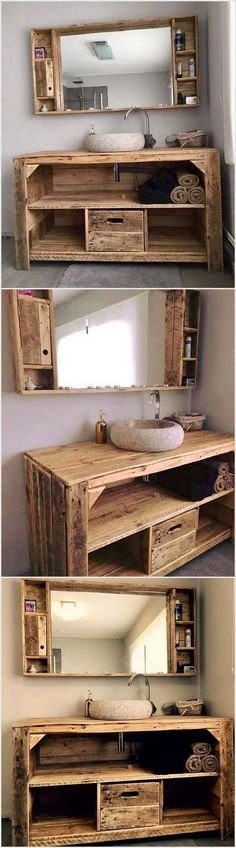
(107, 339)
(112, 70)
(108, 633)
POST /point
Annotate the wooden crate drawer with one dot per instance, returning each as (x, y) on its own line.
(165, 554)
(125, 817)
(115, 230)
(129, 794)
(174, 528)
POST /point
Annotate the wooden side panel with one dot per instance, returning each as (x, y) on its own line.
(34, 332)
(15, 340)
(35, 635)
(20, 200)
(226, 768)
(44, 77)
(38, 491)
(214, 234)
(77, 529)
(179, 309)
(20, 821)
(169, 334)
(59, 566)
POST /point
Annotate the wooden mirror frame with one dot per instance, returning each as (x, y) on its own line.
(47, 78)
(36, 625)
(29, 315)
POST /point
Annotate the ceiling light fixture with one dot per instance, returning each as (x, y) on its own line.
(101, 49)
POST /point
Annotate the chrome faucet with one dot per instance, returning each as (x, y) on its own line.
(146, 682)
(156, 394)
(149, 140)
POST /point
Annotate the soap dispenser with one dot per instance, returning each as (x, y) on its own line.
(101, 429)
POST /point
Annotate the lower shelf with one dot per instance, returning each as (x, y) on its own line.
(114, 560)
(183, 244)
(58, 243)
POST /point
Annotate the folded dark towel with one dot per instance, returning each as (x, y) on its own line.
(158, 189)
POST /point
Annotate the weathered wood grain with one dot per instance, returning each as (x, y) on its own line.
(77, 529)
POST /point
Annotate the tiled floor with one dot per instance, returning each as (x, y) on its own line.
(108, 275)
(177, 842)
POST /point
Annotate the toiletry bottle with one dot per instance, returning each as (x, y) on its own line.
(179, 40)
(92, 130)
(179, 70)
(191, 66)
(188, 639)
(101, 429)
(188, 347)
(88, 702)
(178, 611)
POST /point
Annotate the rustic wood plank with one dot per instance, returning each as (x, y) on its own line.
(16, 346)
(20, 818)
(77, 529)
(20, 201)
(226, 784)
(59, 564)
(214, 232)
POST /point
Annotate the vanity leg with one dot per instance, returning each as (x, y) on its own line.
(214, 236)
(20, 818)
(21, 229)
(226, 768)
(77, 529)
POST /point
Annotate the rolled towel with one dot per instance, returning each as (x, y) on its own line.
(220, 484)
(193, 763)
(158, 188)
(179, 195)
(210, 763)
(187, 179)
(201, 748)
(229, 480)
(196, 195)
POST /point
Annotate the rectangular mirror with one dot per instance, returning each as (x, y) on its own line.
(125, 633)
(113, 628)
(106, 339)
(112, 70)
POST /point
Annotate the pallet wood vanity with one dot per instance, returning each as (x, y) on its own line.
(96, 510)
(70, 206)
(72, 785)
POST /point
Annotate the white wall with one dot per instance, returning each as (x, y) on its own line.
(215, 94)
(215, 392)
(34, 422)
(23, 132)
(217, 646)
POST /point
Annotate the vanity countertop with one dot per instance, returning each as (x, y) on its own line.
(101, 464)
(86, 725)
(149, 155)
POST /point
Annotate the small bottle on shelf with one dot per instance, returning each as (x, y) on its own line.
(191, 66)
(188, 638)
(178, 611)
(101, 429)
(179, 70)
(188, 347)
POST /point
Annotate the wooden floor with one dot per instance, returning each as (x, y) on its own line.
(95, 275)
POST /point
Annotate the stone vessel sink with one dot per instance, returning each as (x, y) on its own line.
(108, 142)
(150, 436)
(120, 710)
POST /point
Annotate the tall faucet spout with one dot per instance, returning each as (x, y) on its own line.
(138, 109)
(133, 676)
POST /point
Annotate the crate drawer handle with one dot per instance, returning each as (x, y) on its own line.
(129, 794)
(115, 220)
(175, 527)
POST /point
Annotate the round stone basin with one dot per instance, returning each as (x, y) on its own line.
(120, 710)
(149, 436)
(109, 142)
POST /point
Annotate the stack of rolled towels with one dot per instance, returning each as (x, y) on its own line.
(188, 189)
(202, 758)
(166, 186)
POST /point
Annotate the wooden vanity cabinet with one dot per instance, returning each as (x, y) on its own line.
(73, 785)
(97, 510)
(83, 207)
